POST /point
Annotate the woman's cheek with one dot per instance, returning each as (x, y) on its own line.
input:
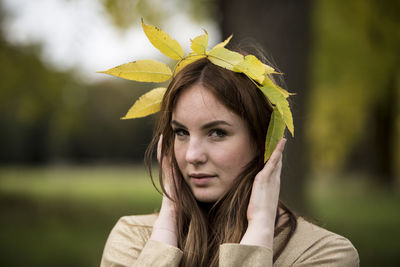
(234, 155)
(226, 156)
(179, 154)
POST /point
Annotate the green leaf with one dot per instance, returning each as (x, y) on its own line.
(224, 58)
(145, 70)
(252, 67)
(200, 43)
(224, 43)
(147, 104)
(276, 129)
(163, 42)
(277, 98)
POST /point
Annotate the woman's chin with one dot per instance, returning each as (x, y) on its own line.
(209, 194)
(206, 197)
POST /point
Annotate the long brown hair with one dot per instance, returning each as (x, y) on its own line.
(202, 228)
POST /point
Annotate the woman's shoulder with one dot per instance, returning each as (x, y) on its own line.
(314, 245)
(134, 227)
(127, 238)
(146, 220)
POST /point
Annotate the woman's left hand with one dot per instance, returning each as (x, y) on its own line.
(263, 203)
(165, 227)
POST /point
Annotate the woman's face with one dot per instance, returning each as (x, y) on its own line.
(212, 144)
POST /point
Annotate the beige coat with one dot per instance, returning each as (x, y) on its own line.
(129, 245)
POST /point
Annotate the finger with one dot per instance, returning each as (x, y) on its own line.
(277, 154)
(276, 172)
(275, 158)
(159, 147)
(166, 167)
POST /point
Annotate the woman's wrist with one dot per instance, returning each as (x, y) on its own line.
(165, 222)
(164, 231)
(258, 237)
(164, 235)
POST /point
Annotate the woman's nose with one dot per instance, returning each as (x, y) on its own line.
(195, 153)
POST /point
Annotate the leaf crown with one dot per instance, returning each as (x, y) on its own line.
(148, 70)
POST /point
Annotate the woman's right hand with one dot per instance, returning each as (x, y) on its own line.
(263, 203)
(165, 227)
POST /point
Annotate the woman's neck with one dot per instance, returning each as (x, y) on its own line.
(205, 207)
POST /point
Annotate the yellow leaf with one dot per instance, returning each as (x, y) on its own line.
(285, 93)
(224, 43)
(269, 83)
(276, 129)
(145, 70)
(163, 42)
(268, 69)
(281, 103)
(186, 61)
(200, 43)
(252, 67)
(224, 58)
(147, 104)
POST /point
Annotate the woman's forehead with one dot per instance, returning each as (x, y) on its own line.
(199, 103)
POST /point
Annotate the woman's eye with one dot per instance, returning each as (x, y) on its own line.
(218, 133)
(180, 132)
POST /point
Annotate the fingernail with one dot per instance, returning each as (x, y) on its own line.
(284, 140)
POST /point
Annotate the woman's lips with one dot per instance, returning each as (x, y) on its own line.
(201, 179)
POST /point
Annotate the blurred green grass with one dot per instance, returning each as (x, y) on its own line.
(100, 187)
(360, 210)
(61, 216)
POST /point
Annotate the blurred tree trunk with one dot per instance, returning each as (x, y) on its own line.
(282, 28)
(385, 116)
(375, 154)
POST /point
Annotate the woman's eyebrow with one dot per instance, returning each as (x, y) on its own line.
(178, 124)
(214, 124)
(205, 126)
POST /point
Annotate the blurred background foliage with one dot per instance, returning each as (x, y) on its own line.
(355, 101)
(49, 116)
(69, 168)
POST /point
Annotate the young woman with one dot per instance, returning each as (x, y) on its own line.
(221, 202)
